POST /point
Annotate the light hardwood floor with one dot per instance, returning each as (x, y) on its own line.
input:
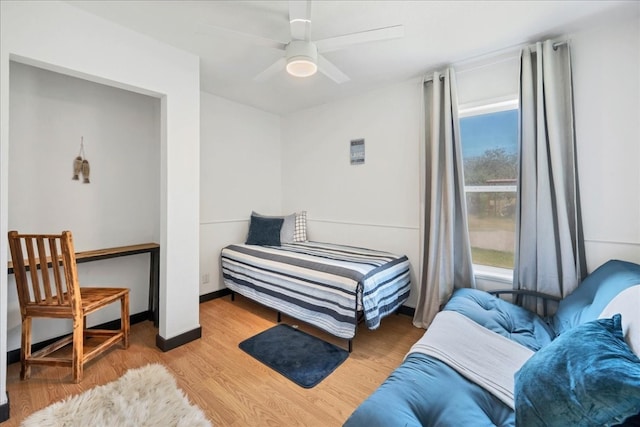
(232, 388)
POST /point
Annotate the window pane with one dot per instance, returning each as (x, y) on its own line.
(489, 148)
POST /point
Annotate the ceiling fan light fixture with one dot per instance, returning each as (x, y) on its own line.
(301, 67)
(302, 58)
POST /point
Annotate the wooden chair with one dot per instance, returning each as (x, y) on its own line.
(55, 292)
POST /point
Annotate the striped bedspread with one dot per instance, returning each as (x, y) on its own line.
(320, 283)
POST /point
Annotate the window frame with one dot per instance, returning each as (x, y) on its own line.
(495, 105)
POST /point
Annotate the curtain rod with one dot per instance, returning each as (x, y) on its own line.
(479, 61)
(430, 78)
(555, 44)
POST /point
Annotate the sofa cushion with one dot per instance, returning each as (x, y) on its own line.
(509, 320)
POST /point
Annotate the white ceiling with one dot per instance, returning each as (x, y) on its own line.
(436, 33)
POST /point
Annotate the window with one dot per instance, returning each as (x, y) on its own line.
(489, 136)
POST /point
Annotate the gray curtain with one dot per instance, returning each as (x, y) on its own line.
(446, 251)
(550, 245)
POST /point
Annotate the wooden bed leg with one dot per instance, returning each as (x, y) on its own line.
(279, 317)
(350, 346)
(233, 296)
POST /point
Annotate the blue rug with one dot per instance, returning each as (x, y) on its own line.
(303, 358)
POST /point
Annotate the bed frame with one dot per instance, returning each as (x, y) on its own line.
(331, 287)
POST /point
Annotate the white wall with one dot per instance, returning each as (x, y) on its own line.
(121, 205)
(492, 80)
(375, 204)
(606, 78)
(59, 37)
(240, 171)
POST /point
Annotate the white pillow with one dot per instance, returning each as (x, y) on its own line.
(627, 303)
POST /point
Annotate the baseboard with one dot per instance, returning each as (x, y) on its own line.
(13, 356)
(406, 310)
(115, 324)
(192, 335)
(216, 294)
(4, 410)
(182, 339)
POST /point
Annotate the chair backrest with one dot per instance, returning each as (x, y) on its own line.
(48, 275)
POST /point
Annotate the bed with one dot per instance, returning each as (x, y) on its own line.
(329, 286)
(578, 367)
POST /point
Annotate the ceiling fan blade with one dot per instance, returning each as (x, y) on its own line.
(273, 69)
(300, 19)
(340, 42)
(214, 30)
(331, 71)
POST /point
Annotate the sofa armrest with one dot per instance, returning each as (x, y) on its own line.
(519, 293)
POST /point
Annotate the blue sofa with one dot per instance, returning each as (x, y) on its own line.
(424, 391)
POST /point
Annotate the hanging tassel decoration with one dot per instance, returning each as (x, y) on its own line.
(85, 171)
(77, 168)
(81, 165)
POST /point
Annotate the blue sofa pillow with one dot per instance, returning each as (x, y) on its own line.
(587, 376)
(597, 290)
(264, 231)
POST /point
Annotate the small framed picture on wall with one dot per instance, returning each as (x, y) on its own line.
(357, 151)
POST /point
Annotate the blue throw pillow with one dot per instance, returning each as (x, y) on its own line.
(264, 231)
(594, 293)
(587, 376)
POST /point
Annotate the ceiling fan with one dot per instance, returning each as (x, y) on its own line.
(303, 56)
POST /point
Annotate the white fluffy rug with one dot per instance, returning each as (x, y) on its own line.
(146, 396)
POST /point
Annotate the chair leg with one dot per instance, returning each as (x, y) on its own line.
(25, 349)
(124, 319)
(77, 363)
